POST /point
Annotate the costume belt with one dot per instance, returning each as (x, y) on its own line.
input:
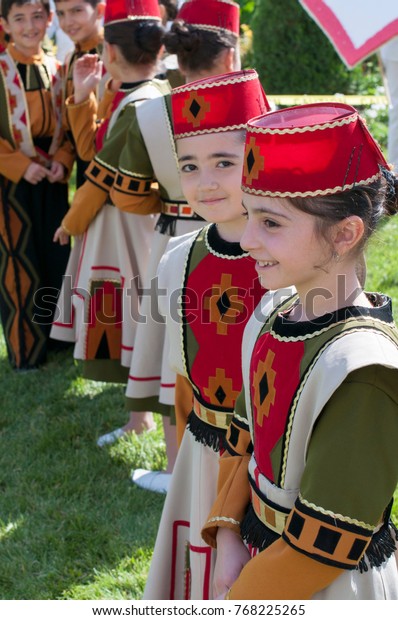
(178, 209)
(272, 516)
(219, 419)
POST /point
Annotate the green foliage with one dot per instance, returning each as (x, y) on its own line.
(292, 54)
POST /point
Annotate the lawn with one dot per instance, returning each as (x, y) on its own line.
(72, 526)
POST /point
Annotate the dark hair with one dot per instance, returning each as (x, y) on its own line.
(197, 49)
(369, 202)
(139, 41)
(171, 8)
(93, 3)
(6, 5)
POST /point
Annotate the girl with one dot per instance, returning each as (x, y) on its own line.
(205, 39)
(115, 246)
(311, 464)
(219, 288)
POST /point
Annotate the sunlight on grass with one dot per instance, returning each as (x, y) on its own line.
(8, 529)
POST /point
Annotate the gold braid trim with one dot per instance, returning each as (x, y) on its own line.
(320, 192)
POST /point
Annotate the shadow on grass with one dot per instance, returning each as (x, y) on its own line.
(71, 523)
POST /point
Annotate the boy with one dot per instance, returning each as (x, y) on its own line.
(34, 163)
(81, 20)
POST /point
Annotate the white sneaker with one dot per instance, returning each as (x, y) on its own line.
(110, 438)
(156, 481)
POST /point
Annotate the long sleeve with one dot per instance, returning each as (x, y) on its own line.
(13, 163)
(233, 491)
(350, 476)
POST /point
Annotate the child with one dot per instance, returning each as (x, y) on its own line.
(311, 464)
(115, 246)
(219, 288)
(205, 39)
(81, 20)
(34, 164)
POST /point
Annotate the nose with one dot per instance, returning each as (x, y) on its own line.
(207, 181)
(249, 240)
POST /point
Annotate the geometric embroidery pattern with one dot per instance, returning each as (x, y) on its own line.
(264, 390)
(195, 109)
(104, 320)
(222, 304)
(220, 390)
(253, 162)
(327, 539)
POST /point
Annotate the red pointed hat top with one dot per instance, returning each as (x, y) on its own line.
(126, 10)
(309, 150)
(218, 103)
(211, 14)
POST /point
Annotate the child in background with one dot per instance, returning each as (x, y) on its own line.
(81, 20)
(205, 38)
(115, 245)
(311, 464)
(218, 285)
(34, 165)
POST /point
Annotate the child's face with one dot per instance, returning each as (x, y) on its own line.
(285, 244)
(27, 25)
(211, 172)
(79, 20)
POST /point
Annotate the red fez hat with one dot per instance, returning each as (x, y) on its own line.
(211, 14)
(218, 103)
(126, 10)
(309, 150)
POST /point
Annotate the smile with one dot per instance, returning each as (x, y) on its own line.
(266, 263)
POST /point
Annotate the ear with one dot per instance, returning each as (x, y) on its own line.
(100, 9)
(228, 60)
(4, 24)
(347, 234)
(110, 52)
(50, 18)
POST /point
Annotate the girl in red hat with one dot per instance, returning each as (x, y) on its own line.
(217, 282)
(115, 245)
(311, 465)
(205, 38)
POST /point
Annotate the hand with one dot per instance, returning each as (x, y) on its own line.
(35, 173)
(56, 172)
(87, 74)
(232, 555)
(61, 236)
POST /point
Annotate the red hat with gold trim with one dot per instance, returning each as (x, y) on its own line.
(211, 14)
(309, 150)
(218, 103)
(127, 10)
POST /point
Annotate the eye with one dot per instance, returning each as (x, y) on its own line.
(188, 168)
(224, 164)
(270, 223)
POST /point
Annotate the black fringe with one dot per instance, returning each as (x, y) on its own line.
(208, 435)
(166, 224)
(381, 547)
(255, 533)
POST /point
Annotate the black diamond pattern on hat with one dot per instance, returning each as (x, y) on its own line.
(250, 160)
(223, 303)
(194, 108)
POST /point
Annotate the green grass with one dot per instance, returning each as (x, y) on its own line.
(72, 526)
(71, 523)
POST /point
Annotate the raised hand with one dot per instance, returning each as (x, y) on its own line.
(87, 73)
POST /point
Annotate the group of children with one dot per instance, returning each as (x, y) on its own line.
(215, 271)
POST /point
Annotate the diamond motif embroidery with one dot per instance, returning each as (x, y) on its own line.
(254, 162)
(195, 109)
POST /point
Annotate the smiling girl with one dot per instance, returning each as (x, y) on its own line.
(307, 481)
(219, 289)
